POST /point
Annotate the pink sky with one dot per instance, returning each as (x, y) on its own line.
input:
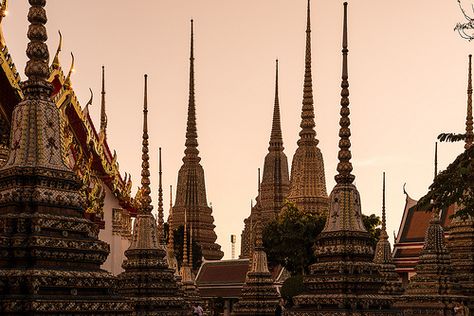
(407, 71)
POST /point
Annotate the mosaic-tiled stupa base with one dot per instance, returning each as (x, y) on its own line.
(258, 296)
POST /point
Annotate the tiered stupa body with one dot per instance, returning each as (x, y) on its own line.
(50, 254)
(191, 189)
(432, 290)
(383, 257)
(147, 279)
(461, 230)
(308, 182)
(259, 295)
(344, 280)
(275, 181)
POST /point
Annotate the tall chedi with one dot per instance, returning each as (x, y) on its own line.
(344, 280)
(461, 231)
(308, 182)
(147, 279)
(275, 182)
(191, 189)
(50, 254)
(383, 256)
(259, 295)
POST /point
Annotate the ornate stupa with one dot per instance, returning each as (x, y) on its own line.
(160, 217)
(275, 182)
(190, 290)
(383, 257)
(308, 182)
(50, 254)
(259, 295)
(147, 279)
(432, 290)
(344, 280)
(461, 230)
(191, 189)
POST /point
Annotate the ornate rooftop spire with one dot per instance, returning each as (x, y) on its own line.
(170, 222)
(103, 114)
(37, 68)
(307, 133)
(56, 64)
(160, 201)
(276, 138)
(469, 119)
(146, 206)
(344, 167)
(191, 151)
(383, 255)
(436, 160)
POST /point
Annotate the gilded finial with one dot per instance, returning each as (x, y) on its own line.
(276, 138)
(344, 167)
(307, 133)
(191, 151)
(56, 64)
(37, 67)
(160, 200)
(67, 82)
(469, 119)
(3, 13)
(103, 114)
(146, 206)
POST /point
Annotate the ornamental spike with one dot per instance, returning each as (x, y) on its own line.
(276, 138)
(103, 114)
(146, 206)
(469, 119)
(160, 201)
(344, 167)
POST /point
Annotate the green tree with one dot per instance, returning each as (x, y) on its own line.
(290, 238)
(453, 185)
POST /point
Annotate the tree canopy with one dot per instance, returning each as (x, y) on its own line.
(290, 238)
(453, 185)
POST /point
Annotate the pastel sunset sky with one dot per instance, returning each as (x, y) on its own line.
(407, 75)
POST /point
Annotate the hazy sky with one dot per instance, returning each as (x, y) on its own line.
(407, 74)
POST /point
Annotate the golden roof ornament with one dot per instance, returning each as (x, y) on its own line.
(56, 64)
(103, 114)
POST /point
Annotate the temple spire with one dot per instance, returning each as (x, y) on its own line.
(344, 167)
(436, 160)
(307, 133)
(160, 200)
(384, 219)
(276, 138)
(191, 151)
(37, 68)
(469, 119)
(170, 223)
(185, 241)
(146, 206)
(103, 114)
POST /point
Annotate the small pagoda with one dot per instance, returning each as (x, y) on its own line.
(50, 254)
(344, 280)
(432, 290)
(147, 279)
(259, 295)
(383, 257)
